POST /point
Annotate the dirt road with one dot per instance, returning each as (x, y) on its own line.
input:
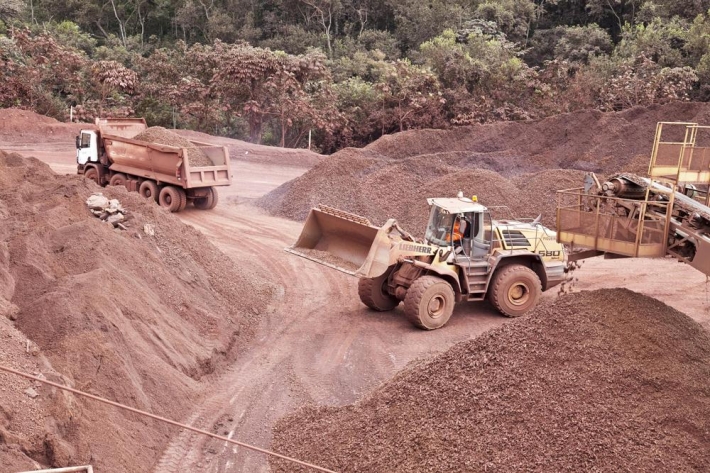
(317, 343)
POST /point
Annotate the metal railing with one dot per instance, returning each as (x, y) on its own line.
(681, 161)
(629, 227)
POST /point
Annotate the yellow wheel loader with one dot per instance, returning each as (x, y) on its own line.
(465, 255)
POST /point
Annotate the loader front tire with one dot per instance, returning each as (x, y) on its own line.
(515, 290)
(172, 198)
(429, 302)
(373, 293)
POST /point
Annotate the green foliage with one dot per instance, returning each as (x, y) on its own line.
(660, 40)
(582, 43)
(348, 70)
(513, 17)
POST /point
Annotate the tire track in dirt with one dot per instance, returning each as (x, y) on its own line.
(317, 344)
(246, 393)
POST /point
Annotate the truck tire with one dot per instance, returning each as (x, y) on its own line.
(172, 198)
(209, 202)
(429, 302)
(515, 290)
(118, 180)
(149, 190)
(373, 294)
(92, 174)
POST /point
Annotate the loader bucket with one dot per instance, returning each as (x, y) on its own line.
(336, 239)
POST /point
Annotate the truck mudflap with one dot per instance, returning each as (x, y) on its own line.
(348, 242)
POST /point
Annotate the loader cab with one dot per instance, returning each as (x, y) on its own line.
(462, 223)
(87, 149)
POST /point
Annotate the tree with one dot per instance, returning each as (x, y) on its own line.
(10, 9)
(325, 12)
(410, 98)
(111, 76)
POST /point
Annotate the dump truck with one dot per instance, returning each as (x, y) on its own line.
(663, 214)
(109, 155)
(465, 255)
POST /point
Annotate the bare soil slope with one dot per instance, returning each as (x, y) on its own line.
(591, 381)
(393, 176)
(136, 318)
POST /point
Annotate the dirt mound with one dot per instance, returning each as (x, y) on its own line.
(163, 136)
(398, 172)
(590, 382)
(380, 189)
(20, 125)
(139, 319)
(587, 139)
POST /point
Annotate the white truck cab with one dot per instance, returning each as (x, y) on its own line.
(87, 147)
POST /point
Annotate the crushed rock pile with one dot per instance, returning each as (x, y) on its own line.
(589, 382)
(133, 315)
(393, 176)
(379, 189)
(163, 136)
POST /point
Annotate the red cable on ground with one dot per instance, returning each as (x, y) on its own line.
(163, 419)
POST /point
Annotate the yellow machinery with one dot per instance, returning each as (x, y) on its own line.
(465, 255)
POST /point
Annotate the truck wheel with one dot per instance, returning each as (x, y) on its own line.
(149, 190)
(172, 198)
(209, 202)
(429, 302)
(118, 180)
(373, 294)
(515, 290)
(92, 174)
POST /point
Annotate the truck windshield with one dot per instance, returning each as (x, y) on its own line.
(439, 227)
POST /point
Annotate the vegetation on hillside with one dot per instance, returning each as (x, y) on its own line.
(350, 71)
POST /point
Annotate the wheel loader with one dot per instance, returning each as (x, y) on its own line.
(465, 255)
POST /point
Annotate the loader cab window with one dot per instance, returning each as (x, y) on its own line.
(441, 224)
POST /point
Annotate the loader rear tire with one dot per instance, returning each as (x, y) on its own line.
(149, 190)
(374, 295)
(118, 180)
(209, 202)
(515, 290)
(92, 174)
(429, 302)
(172, 198)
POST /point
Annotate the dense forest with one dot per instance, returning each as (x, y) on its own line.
(350, 71)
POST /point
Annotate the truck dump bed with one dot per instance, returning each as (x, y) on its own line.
(162, 163)
(123, 127)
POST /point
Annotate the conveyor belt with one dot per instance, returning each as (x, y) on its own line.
(682, 201)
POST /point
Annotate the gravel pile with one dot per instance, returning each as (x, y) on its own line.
(380, 189)
(139, 317)
(162, 136)
(515, 164)
(591, 382)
